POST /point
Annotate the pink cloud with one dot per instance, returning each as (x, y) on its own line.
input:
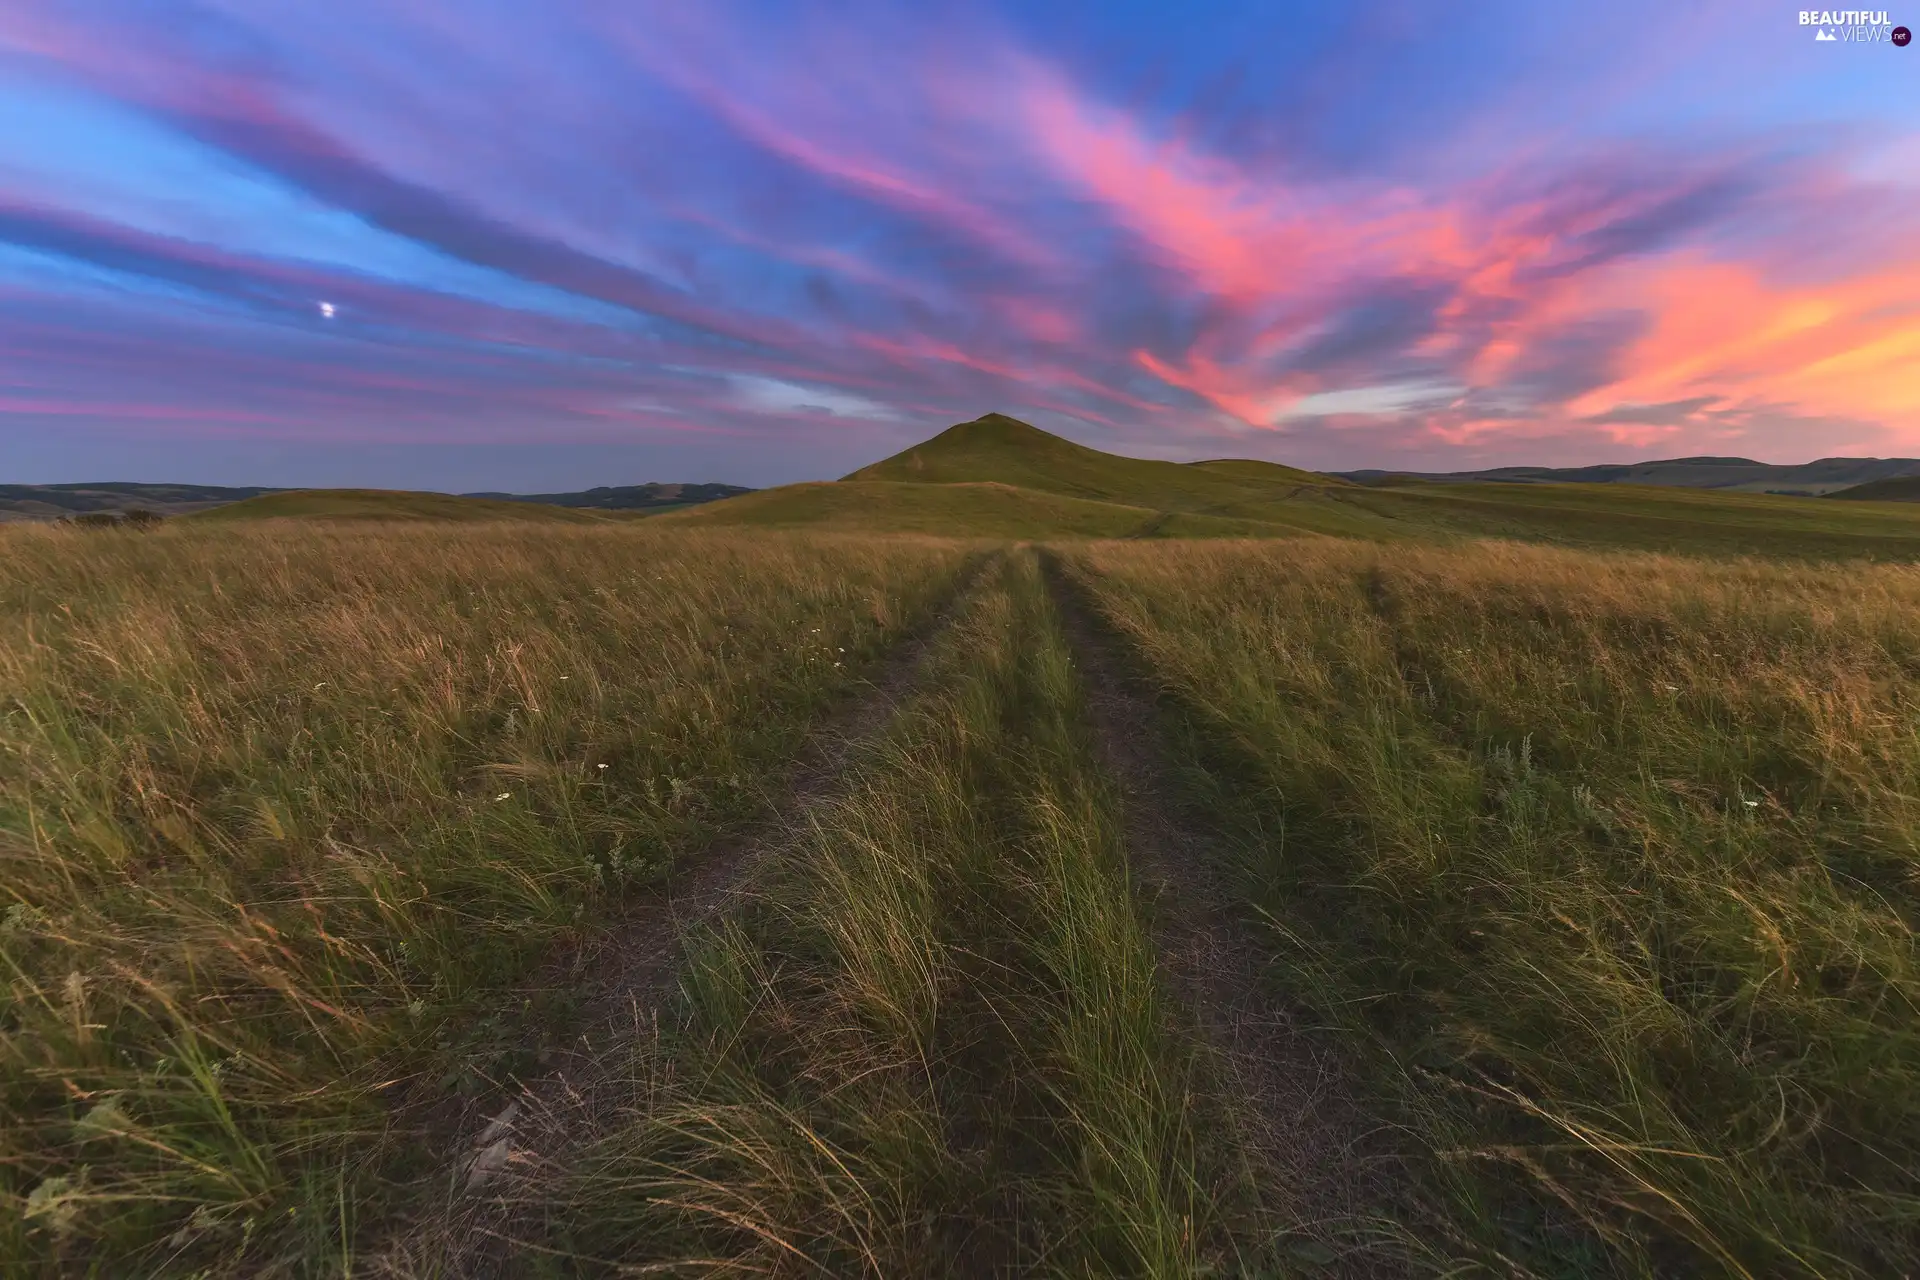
(1516, 282)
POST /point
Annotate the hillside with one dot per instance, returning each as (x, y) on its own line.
(1007, 451)
(999, 477)
(54, 501)
(629, 497)
(1808, 479)
(1649, 517)
(975, 509)
(1891, 489)
(386, 504)
(51, 501)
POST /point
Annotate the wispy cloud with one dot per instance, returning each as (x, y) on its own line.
(814, 229)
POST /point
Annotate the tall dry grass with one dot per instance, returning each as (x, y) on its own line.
(286, 814)
(1611, 857)
(938, 1046)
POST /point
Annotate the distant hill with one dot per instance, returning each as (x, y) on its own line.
(50, 501)
(1805, 479)
(1892, 489)
(1008, 451)
(53, 501)
(388, 504)
(630, 497)
(999, 477)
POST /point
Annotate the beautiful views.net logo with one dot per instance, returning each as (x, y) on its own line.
(1854, 26)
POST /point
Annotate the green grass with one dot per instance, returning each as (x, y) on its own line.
(1000, 478)
(285, 818)
(938, 1046)
(388, 504)
(1004, 450)
(1602, 862)
(1639, 517)
(1892, 489)
(976, 510)
(1609, 862)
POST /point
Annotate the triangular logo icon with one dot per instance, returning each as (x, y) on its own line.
(1826, 35)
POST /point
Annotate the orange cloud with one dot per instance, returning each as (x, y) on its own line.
(1517, 279)
(1844, 347)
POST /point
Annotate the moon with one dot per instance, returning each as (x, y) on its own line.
(326, 309)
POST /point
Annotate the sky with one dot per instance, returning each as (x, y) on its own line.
(546, 244)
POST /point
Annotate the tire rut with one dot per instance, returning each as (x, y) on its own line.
(468, 1233)
(1320, 1170)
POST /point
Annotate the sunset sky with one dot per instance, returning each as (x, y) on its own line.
(536, 246)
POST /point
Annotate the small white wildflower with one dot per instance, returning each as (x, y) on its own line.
(599, 766)
(1671, 688)
(504, 795)
(566, 677)
(317, 688)
(1751, 804)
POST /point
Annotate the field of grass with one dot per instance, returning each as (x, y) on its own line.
(1593, 872)
(1665, 519)
(936, 1046)
(1609, 863)
(284, 817)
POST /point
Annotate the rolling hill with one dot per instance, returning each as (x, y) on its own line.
(388, 504)
(57, 501)
(629, 497)
(1651, 518)
(968, 508)
(1807, 479)
(1007, 451)
(1891, 489)
(999, 477)
(54, 501)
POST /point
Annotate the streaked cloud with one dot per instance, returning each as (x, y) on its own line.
(801, 233)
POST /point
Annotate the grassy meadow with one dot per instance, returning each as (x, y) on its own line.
(935, 1046)
(1607, 861)
(1582, 877)
(285, 817)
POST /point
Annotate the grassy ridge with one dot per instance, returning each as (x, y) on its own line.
(983, 510)
(1672, 520)
(938, 1047)
(998, 477)
(282, 817)
(390, 504)
(1004, 450)
(1612, 857)
(1891, 489)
